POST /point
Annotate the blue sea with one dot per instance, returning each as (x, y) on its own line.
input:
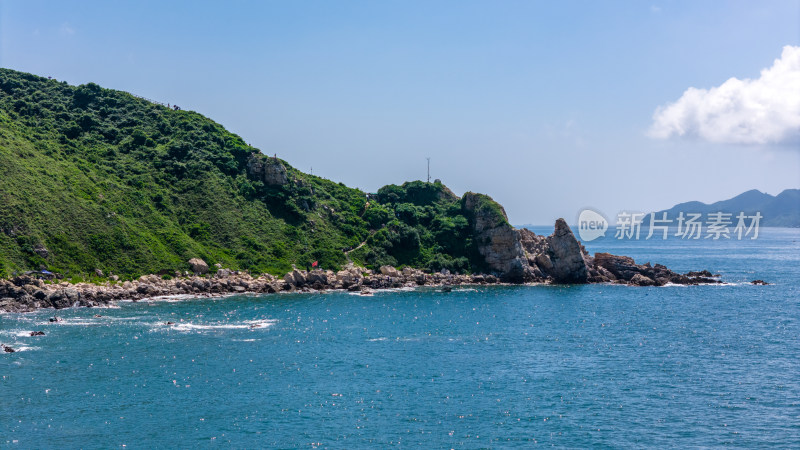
(479, 367)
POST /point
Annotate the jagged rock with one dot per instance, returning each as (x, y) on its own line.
(622, 267)
(566, 255)
(701, 273)
(198, 266)
(498, 242)
(22, 280)
(37, 333)
(759, 282)
(641, 280)
(295, 278)
(98, 272)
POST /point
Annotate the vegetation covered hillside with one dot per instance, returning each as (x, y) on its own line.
(94, 178)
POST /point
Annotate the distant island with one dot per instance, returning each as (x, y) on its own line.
(140, 198)
(782, 210)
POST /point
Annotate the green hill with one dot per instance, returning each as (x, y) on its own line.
(94, 178)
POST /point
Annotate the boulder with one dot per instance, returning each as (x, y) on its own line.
(349, 277)
(390, 271)
(223, 273)
(317, 277)
(198, 266)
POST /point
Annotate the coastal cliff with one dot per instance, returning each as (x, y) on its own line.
(104, 187)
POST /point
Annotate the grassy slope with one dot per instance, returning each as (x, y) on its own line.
(106, 180)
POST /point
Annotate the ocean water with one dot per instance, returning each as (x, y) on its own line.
(564, 366)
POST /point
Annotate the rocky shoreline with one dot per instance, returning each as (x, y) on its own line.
(25, 294)
(515, 257)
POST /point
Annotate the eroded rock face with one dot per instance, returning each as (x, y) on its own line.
(269, 170)
(498, 242)
(566, 255)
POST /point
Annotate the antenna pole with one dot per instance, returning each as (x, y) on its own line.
(429, 169)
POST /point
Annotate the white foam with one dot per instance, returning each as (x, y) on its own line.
(245, 325)
(363, 294)
(170, 298)
(22, 333)
(107, 306)
(72, 322)
(22, 348)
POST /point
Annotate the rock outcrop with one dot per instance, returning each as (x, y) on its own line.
(268, 170)
(566, 256)
(390, 271)
(523, 256)
(498, 242)
(606, 267)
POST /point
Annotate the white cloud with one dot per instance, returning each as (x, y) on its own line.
(761, 111)
(66, 29)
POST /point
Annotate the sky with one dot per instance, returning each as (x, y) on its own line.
(549, 107)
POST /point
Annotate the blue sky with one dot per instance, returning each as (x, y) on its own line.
(546, 106)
